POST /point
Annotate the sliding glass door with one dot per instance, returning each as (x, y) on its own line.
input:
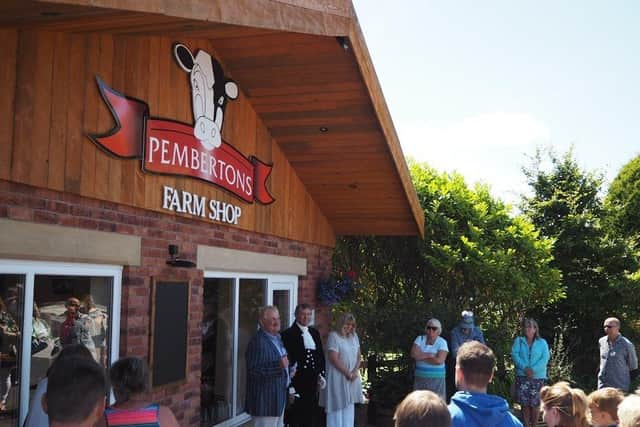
(231, 302)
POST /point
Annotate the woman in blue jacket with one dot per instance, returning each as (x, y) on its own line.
(530, 354)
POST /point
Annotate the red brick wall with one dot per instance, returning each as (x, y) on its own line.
(25, 203)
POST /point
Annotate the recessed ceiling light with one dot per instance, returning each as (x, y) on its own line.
(324, 129)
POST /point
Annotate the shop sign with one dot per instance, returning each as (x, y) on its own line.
(190, 203)
(195, 150)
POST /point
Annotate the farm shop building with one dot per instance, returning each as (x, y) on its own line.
(173, 165)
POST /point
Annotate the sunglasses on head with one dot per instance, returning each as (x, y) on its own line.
(432, 328)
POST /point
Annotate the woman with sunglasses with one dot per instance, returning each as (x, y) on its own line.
(563, 406)
(430, 351)
(530, 354)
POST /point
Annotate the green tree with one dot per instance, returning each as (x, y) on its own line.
(623, 202)
(595, 265)
(474, 255)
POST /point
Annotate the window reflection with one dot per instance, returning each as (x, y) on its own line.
(252, 297)
(11, 308)
(220, 311)
(217, 350)
(69, 310)
(281, 300)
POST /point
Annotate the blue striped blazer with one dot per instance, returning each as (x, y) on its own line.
(266, 379)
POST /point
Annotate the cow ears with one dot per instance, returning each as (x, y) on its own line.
(231, 89)
(183, 57)
(185, 60)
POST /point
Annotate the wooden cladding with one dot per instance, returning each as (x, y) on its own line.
(51, 102)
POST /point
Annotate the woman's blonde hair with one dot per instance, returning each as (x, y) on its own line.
(343, 319)
(571, 404)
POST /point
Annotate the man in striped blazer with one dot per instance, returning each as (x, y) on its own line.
(267, 371)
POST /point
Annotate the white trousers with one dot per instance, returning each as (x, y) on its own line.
(268, 421)
(342, 417)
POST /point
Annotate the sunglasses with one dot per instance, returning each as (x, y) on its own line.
(73, 304)
(609, 326)
(432, 328)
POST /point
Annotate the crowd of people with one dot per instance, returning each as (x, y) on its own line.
(295, 359)
(561, 405)
(290, 379)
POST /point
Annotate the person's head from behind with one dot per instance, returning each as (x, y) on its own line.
(563, 406)
(422, 408)
(76, 391)
(71, 351)
(603, 406)
(129, 377)
(475, 363)
(629, 411)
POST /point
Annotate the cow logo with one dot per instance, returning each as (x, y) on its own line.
(173, 148)
(210, 90)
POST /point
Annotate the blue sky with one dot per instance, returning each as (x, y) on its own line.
(475, 86)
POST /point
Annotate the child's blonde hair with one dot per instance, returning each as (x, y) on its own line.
(606, 400)
(629, 411)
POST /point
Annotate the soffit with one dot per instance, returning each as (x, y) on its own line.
(298, 83)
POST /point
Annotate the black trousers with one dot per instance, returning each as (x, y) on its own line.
(304, 411)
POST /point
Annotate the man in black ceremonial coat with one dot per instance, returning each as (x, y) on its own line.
(304, 348)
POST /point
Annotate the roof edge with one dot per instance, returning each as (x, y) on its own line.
(303, 16)
(368, 73)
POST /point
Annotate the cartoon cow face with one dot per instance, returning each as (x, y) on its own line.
(210, 90)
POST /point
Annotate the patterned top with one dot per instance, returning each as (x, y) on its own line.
(142, 417)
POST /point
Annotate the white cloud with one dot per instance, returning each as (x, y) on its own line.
(487, 148)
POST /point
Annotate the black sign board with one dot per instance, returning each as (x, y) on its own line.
(169, 323)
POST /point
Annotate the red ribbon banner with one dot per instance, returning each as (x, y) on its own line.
(168, 147)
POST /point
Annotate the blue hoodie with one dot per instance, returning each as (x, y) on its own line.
(480, 410)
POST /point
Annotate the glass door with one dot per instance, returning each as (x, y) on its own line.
(230, 318)
(52, 305)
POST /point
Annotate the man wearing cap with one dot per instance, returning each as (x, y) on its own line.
(618, 359)
(464, 332)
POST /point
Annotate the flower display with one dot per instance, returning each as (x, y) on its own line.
(331, 290)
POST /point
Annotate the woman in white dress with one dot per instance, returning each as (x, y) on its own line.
(344, 386)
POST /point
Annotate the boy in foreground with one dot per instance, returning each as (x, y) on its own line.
(76, 392)
(471, 406)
